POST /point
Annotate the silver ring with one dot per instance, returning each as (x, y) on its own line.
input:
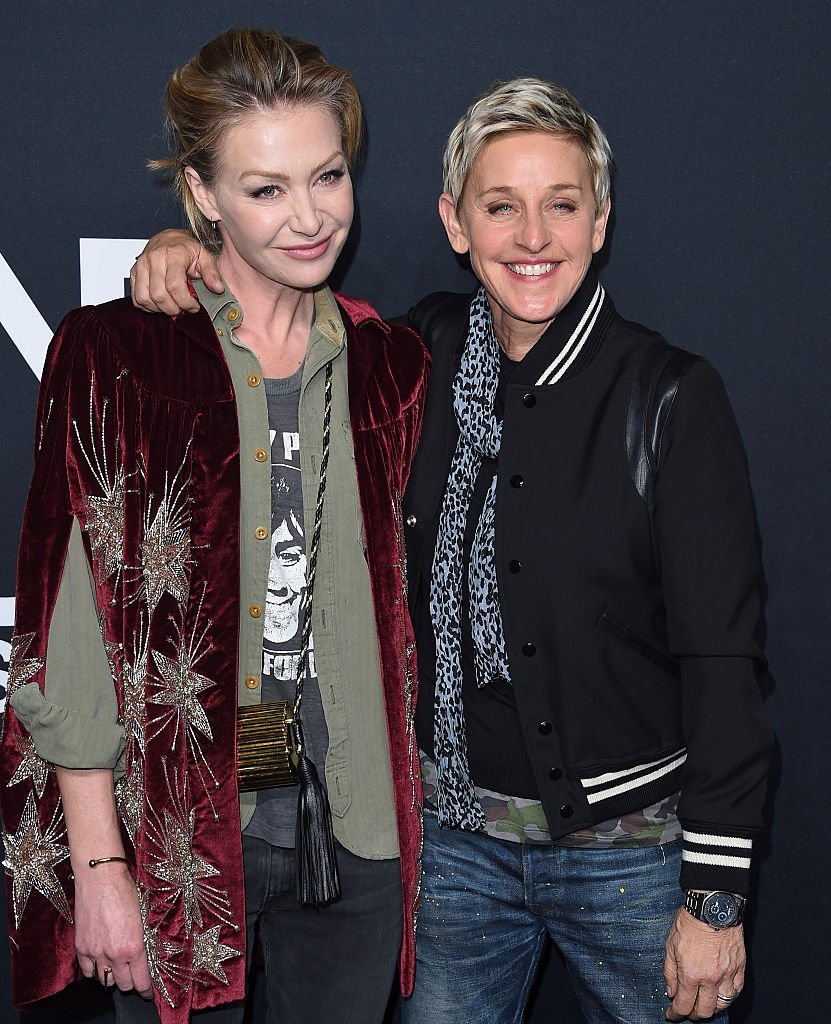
(727, 999)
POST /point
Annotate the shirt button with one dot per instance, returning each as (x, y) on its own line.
(529, 650)
(255, 611)
(517, 481)
(252, 682)
(261, 533)
(515, 565)
(261, 455)
(411, 520)
(254, 380)
(566, 811)
(529, 400)
(545, 728)
(233, 315)
(555, 773)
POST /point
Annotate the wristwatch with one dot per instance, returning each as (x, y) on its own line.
(717, 909)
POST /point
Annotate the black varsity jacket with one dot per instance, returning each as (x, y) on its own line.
(634, 642)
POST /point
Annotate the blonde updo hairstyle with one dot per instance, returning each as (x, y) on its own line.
(526, 104)
(238, 73)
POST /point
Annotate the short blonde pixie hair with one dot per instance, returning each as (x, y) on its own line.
(524, 105)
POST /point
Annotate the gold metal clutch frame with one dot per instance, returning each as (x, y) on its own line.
(265, 746)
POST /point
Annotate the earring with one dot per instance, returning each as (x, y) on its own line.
(213, 225)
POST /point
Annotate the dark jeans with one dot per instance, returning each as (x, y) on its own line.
(336, 964)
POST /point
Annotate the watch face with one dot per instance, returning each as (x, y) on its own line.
(721, 909)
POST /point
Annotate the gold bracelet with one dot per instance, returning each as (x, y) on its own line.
(108, 860)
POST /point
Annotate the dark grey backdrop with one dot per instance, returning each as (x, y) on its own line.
(717, 114)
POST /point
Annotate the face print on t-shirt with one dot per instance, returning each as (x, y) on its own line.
(286, 578)
(287, 568)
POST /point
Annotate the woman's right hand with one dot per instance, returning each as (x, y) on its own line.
(159, 277)
(109, 937)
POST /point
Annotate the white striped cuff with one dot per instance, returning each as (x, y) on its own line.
(715, 850)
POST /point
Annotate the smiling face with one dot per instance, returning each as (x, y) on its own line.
(528, 220)
(282, 197)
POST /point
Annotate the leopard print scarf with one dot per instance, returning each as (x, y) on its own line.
(480, 435)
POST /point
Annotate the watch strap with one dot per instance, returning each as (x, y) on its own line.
(694, 904)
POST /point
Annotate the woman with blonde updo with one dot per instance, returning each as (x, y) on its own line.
(150, 583)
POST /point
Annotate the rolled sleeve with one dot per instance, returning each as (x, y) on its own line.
(74, 722)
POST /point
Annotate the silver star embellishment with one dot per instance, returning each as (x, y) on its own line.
(104, 522)
(31, 859)
(160, 954)
(133, 706)
(182, 867)
(209, 954)
(129, 799)
(181, 687)
(32, 766)
(22, 670)
(165, 551)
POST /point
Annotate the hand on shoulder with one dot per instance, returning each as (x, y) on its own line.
(159, 277)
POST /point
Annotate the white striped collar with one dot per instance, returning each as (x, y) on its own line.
(579, 336)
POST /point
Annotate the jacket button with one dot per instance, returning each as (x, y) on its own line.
(517, 480)
(254, 380)
(529, 400)
(260, 455)
(252, 682)
(515, 565)
(255, 611)
(233, 314)
(566, 811)
(545, 728)
(261, 533)
(529, 650)
(555, 773)
(411, 520)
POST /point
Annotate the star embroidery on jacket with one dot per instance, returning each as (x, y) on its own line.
(22, 670)
(104, 523)
(31, 859)
(133, 675)
(177, 689)
(104, 515)
(165, 550)
(173, 859)
(165, 546)
(129, 798)
(209, 954)
(181, 686)
(160, 954)
(32, 766)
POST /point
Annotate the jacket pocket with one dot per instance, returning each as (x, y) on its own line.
(639, 645)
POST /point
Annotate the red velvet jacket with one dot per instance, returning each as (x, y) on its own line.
(137, 437)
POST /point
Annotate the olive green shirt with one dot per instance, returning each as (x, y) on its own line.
(74, 723)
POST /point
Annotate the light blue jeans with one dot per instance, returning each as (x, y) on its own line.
(486, 910)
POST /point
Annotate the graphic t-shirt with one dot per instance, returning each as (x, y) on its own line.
(274, 817)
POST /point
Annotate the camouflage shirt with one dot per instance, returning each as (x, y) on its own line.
(519, 820)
